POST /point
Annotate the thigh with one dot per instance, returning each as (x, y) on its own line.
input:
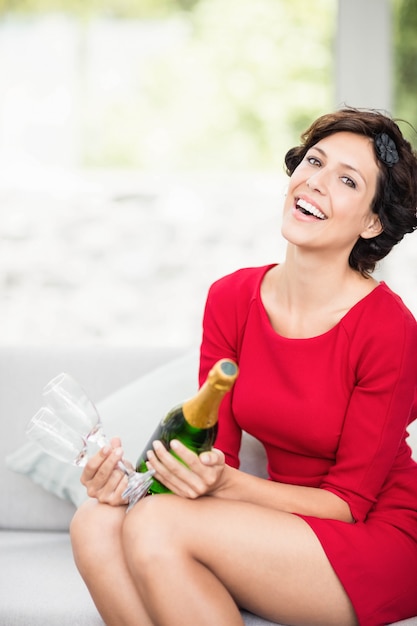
(270, 561)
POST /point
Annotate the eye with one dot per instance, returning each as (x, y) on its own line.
(313, 161)
(348, 181)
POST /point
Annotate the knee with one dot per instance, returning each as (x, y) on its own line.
(83, 523)
(150, 532)
(93, 531)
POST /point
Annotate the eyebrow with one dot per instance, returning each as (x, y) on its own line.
(345, 165)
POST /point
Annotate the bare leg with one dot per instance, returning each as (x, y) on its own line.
(194, 561)
(96, 542)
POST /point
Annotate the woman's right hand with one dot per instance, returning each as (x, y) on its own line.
(102, 478)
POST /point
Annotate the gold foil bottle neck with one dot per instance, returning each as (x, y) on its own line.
(202, 411)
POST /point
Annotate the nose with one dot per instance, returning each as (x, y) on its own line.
(317, 181)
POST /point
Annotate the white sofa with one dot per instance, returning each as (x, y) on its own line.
(39, 584)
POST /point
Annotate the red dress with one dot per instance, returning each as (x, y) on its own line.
(331, 412)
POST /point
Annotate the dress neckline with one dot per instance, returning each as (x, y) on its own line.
(358, 304)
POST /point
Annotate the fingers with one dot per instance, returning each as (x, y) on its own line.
(102, 478)
(101, 464)
(213, 457)
(194, 477)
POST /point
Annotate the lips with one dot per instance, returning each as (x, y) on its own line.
(309, 209)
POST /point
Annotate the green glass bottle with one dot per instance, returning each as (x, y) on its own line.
(194, 422)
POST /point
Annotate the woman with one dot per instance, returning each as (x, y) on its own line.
(328, 379)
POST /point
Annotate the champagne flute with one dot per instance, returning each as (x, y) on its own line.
(57, 438)
(66, 398)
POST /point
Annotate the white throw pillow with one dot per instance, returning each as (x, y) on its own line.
(132, 413)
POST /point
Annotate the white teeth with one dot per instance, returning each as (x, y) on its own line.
(310, 209)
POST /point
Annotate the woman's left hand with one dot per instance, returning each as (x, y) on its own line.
(197, 476)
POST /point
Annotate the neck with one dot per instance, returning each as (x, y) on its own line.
(309, 280)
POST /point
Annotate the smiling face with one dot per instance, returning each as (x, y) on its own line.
(329, 198)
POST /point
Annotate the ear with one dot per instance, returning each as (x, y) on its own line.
(373, 229)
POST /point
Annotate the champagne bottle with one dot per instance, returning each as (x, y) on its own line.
(194, 422)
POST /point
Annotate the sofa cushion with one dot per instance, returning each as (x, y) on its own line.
(40, 583)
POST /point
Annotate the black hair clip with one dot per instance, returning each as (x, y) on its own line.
(386, 149)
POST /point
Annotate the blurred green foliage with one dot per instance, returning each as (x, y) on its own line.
(405, 65)
(235, 91)
(121, 8)
(233, 85)
(128, 9)
(242, 81)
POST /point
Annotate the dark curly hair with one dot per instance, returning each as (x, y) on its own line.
(395, 200)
